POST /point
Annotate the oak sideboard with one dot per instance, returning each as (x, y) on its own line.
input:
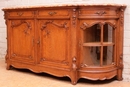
(77, 41)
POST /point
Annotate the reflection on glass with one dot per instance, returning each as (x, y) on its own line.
(92, 34)
(108, 33)
(108, 55)
(91, 56)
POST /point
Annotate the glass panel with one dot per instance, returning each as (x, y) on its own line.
(91, 56)
(108, 33)
(92, 34)
(108, 57)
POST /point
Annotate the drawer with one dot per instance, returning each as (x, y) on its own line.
(21, 14)
(99, 13)
(53, 13)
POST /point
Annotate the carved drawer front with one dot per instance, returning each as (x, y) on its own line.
(53, 13)
(98, 13)
(21, 14)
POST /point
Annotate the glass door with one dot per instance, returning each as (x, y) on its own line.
(97, 44)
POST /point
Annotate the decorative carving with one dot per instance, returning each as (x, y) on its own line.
(74, 17)
(74, 66)
(6, 15)
(41, 60)
(19, 55)
(122, 16)
(13, 55)
(44, 59)
(74, 71)
(84, 65)
(121, 62)
(22, 22)
(100, 13)
(65, 62)
(86, 25)
(64, 25)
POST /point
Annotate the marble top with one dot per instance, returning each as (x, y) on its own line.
(62, 5)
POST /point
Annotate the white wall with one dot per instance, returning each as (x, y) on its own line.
(12, 3)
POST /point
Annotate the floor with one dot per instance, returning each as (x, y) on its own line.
(26, 78)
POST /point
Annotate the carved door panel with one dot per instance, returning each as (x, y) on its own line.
(22, 40)
(54, 39)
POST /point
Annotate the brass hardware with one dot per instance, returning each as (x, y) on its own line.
(52, 13)
(100, 13)
(19, 13)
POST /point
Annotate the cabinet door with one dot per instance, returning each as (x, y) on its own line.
(98, 44)
(54, 39)
(22, 40)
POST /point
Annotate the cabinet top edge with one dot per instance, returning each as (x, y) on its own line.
(64, 5)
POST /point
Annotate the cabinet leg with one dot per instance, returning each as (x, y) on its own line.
(74, 81)
(8, 67)
(119, 76)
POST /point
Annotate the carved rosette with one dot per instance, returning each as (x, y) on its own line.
(74, 17)
(122, 16)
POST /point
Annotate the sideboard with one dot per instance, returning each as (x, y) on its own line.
(77, 41)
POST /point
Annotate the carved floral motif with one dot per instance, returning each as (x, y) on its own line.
(14, 24)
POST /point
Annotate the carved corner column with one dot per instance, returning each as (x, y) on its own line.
(8, 66)
(120, 38)
(73, 45)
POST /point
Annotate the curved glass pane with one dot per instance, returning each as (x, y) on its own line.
(108, 33)
(108, 55)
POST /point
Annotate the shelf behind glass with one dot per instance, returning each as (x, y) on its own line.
(98, 44)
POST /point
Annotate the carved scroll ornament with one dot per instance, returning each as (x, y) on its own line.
(64, 25)
(86, 25)
(28, 26)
